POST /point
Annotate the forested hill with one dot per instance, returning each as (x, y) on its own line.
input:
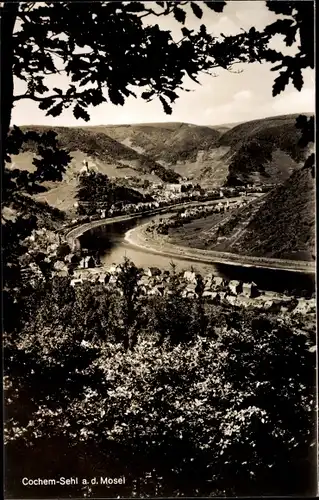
(284, 225)
(264, 150)
(167, 142)
(106, 150)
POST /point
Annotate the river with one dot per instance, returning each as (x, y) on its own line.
(109, 241)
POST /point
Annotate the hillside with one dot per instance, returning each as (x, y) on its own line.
(166, 142)
(283, 226)
(263, 150)
(106, 150)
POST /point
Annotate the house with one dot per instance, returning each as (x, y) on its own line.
(104, 278)
(71, 258)
(153, 271)
(222, 296)
(190, 276)
(250, 290)
(76, 282)
(112, 279)
(189, 290)
(88, 167)
(143, 281)
(231, 299)
(218, 281)
(235, 287)
(60, 266)
(244, 301)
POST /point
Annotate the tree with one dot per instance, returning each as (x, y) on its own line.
(210, 414)
(129, 304)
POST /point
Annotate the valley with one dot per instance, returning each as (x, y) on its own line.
(158, 159)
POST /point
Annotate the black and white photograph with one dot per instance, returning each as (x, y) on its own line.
(158, 249)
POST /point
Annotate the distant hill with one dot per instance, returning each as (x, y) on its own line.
(165, 142)
(106, 150)
(263, 149)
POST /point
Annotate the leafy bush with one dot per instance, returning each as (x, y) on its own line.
(199, 414)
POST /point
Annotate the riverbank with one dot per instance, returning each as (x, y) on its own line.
(75, 232)
(139, 237)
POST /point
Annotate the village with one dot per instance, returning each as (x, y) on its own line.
(188, 214)
(82, 266)
(155, 282)
(163, 195)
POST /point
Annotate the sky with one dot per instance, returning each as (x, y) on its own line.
(227, 97)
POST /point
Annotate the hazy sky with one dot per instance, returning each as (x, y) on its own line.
(225, 98)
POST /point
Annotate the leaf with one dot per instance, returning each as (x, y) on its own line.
(56, 110)
(186, 31)
(168, 110)
(115, 96)
(171, 95)
(280, 83)
(197, 10)
(45, 104)
(297, 79)
(134, 7)
(216, 6)
(147, 95)
(179, 15)
(80, 112)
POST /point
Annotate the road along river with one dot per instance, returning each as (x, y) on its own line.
(125, 236)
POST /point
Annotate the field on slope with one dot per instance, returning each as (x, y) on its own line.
(284, 226)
